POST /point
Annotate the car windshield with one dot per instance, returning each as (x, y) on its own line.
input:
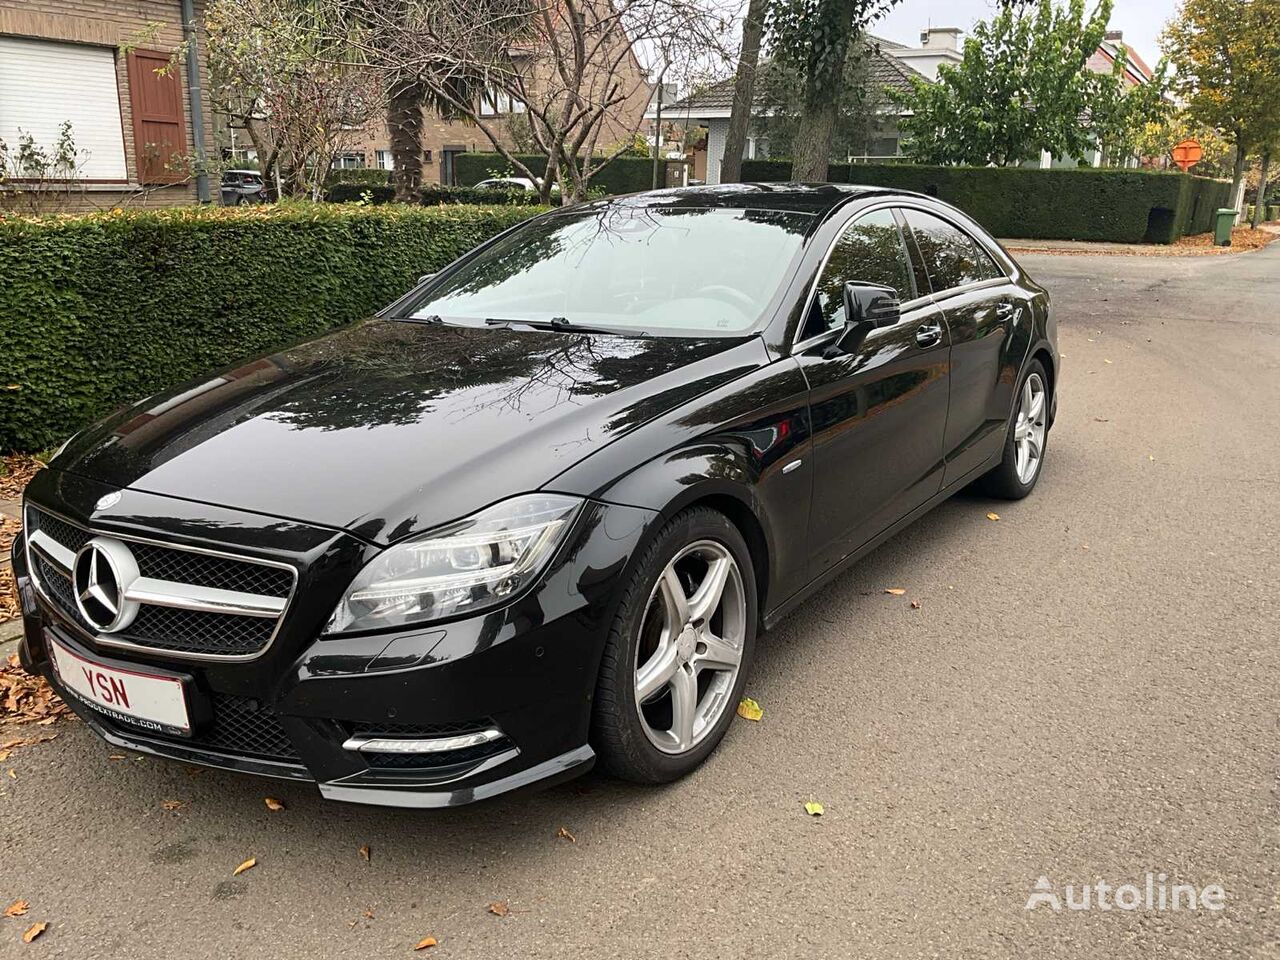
(687, 272)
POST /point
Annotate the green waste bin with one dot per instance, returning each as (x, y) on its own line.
(1223, 221)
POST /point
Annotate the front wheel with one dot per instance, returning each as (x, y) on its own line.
(1025, 442)
(676, 658)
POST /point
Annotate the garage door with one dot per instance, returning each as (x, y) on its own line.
(44, 84)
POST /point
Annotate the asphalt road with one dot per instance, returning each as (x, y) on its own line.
(1089, 690)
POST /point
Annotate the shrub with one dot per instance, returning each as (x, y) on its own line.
(470, 195)
(359, 193)
(1127, 206)
(625, 174)
(103, 309)
(368, 176)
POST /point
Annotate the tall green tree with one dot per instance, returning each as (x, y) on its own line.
(1227, 57)
(1120, 112)
(1021, 88)
(781, 98)
(816, 37)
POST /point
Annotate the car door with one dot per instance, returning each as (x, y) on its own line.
(981, 307)
(878, 412)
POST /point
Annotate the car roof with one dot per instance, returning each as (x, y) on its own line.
(813, 198)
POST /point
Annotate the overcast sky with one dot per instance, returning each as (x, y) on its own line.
(1141, 20)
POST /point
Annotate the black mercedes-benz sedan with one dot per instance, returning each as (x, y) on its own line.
(536, 513)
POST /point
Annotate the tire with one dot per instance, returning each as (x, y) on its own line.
(1008, 480)
(626, 728)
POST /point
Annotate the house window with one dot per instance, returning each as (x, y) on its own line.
(495, 103)
(348, 161)
(385, 160)
(44, 85)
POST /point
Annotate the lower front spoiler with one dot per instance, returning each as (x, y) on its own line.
(408, 795)
(556, 770)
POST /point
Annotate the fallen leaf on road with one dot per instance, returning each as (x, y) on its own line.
(17, 908)
(993, 516)
(365, 854)
(1106, 361)
(273, 804)
(173, 804)
(117, 756)
(13, 774)
(425, 943)
(499, 908)
(748, 709)
(247, 865)
(368, 913)
(1101, 420)
(564, 834)
(34, 931)
(895, 591)
(814, 809)
(915, 604)
(1151, 458)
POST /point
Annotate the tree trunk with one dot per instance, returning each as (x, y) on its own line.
(404, 121)
(1260, 203)
(1237, 174)
(811, 149)
(744, 85)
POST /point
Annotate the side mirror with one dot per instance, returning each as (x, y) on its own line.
(867, 306)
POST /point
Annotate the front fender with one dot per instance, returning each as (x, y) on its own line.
(743, 448)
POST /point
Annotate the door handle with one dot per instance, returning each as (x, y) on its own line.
(929, 334)
(1005, 310)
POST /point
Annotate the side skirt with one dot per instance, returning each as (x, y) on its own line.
(778, 613)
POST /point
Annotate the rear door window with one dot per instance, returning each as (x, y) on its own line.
(951, 257)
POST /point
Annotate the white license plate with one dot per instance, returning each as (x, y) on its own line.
(143, 699)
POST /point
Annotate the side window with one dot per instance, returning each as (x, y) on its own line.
(870, 250)
(951, 256)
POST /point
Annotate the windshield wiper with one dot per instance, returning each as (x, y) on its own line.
(562, 325)
(429, 318)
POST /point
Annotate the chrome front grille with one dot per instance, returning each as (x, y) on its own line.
(193, 602)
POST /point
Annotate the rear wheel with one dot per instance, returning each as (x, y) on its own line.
(677, 655)
(1025, 442)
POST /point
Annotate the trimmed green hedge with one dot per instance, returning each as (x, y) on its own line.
(435, 194)
(622, 175)
(1127, 206)
(368, 176)
(353, 192)
(103, 309)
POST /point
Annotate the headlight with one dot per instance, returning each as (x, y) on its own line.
(469, 565)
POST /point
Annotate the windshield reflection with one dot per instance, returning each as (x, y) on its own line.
(665, 271)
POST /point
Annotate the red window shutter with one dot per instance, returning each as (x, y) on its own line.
(159, 125)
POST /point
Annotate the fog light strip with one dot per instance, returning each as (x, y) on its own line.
(422, 744)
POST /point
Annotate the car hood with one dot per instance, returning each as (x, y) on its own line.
(389, 428)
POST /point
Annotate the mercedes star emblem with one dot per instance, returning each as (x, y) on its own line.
(103, 572)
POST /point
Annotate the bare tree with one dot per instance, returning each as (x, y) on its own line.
(285, 73)
(570, 66)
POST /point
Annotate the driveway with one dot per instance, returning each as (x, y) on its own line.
(1088, 691)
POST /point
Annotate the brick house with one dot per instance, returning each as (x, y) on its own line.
(93, 64)
(444, 139)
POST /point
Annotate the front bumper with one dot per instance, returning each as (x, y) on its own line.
(527, 671)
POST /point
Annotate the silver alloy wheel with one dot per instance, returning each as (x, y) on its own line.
(690, 650)
(1028, 430)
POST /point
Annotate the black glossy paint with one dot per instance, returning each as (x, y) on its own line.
(322, 454)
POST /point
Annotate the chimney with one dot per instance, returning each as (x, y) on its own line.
(1114, 35)
(940, 38)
